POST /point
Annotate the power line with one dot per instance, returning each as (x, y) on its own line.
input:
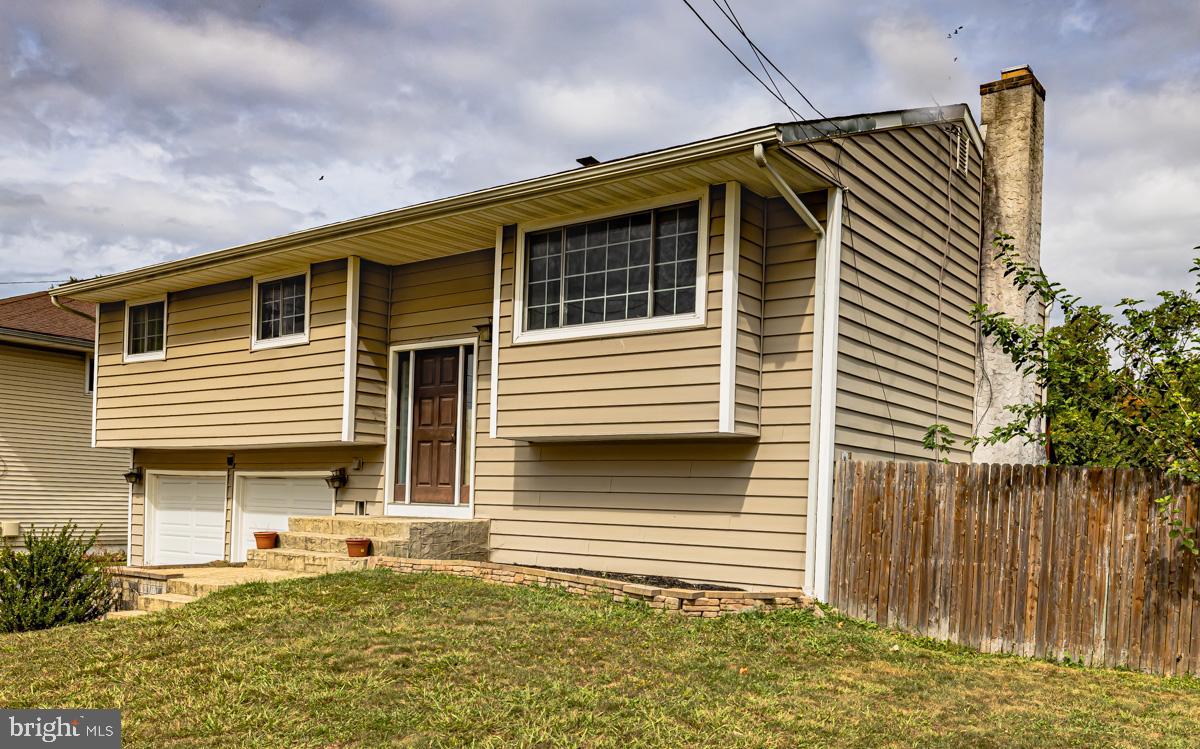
(729, 49)
(17, 283)
(737, 24)
(732, 18)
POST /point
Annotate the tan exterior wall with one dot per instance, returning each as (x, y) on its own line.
(211, 389)
(49, 473)
(748, 356)
(662, 383)
(906, 350)
(365, 484)
(370, 392)
(719, 511)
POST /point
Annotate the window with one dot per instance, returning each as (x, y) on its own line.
(89, 374)
(145, 330)
(281, 311)
(628, 267)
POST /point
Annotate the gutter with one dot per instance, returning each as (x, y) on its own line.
(45, 340)
(64, 308)
(822, 421)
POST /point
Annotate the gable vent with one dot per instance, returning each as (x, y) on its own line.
(962, 152)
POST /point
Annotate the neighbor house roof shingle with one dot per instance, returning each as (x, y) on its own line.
(34, 313)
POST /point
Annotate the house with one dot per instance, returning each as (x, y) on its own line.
(644, 365)
(49, 473)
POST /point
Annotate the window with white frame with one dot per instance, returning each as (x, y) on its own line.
(281, 310)
(145, 330)
(627, 267)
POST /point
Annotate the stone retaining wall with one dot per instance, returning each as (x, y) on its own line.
(683, 601)
(130, 583)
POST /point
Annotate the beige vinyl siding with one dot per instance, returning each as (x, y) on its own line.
(370, 402)
(444, 298)
(748, 357)
(617, 399)
(364, 485)
(892, 381)
(49, 473)
(725, 510)
(211, 389)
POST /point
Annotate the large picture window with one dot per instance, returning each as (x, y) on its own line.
(627, 267)
(145, 330)
(281, 311)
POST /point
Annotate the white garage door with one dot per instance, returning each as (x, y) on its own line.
(266, 503)
(187, 520)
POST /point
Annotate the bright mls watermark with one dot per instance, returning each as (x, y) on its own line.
(93, 729)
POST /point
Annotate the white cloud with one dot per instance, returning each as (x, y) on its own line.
(136, 130)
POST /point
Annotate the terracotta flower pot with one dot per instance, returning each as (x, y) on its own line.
(265, 539)
(357, 547)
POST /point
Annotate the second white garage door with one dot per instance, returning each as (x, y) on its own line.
(266, 502)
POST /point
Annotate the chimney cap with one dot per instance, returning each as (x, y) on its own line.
(1015, 71)
(1014, 77)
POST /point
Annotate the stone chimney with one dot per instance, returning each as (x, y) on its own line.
(1013, 114)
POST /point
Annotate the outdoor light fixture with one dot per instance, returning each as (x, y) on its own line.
(485, 331)
(134, 475)
(336, 478)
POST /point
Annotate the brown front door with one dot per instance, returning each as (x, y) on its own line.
(435, 421)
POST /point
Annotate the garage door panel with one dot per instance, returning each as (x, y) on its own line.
(268, 502)
(188, 520)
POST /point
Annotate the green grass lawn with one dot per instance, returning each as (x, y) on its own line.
(381, 659)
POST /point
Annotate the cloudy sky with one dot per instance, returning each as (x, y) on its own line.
(134, 132)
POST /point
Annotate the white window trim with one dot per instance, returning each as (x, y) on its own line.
(159, 355)
(695, 319)
(96, 384)
(350, 364)
(296, 339)
(405, 506)
(237, 544)
(730, 273)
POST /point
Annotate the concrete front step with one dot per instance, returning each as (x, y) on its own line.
(126, 614)
(164, 601)
(301, 560)
(417, 538)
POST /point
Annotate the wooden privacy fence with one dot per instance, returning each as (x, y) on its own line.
(1058, 561)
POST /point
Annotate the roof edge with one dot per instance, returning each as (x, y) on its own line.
(571, 179)
(45, 340)
(796, 133)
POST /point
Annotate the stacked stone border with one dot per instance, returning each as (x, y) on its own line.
(682, 601)
(131, 583)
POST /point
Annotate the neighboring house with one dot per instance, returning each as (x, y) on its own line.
(49, 472)
(647, 365)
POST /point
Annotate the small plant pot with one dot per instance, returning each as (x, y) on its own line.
(357, 547)
(265, 539)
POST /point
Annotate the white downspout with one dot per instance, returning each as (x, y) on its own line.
(819, 493)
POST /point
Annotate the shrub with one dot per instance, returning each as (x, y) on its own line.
(52, 581)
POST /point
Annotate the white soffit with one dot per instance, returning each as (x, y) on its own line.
(446, 234)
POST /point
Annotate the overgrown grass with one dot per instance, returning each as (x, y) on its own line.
(381, 659)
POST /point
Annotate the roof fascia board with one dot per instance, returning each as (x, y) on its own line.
(561, 181)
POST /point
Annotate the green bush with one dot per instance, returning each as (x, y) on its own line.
(52, 581)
